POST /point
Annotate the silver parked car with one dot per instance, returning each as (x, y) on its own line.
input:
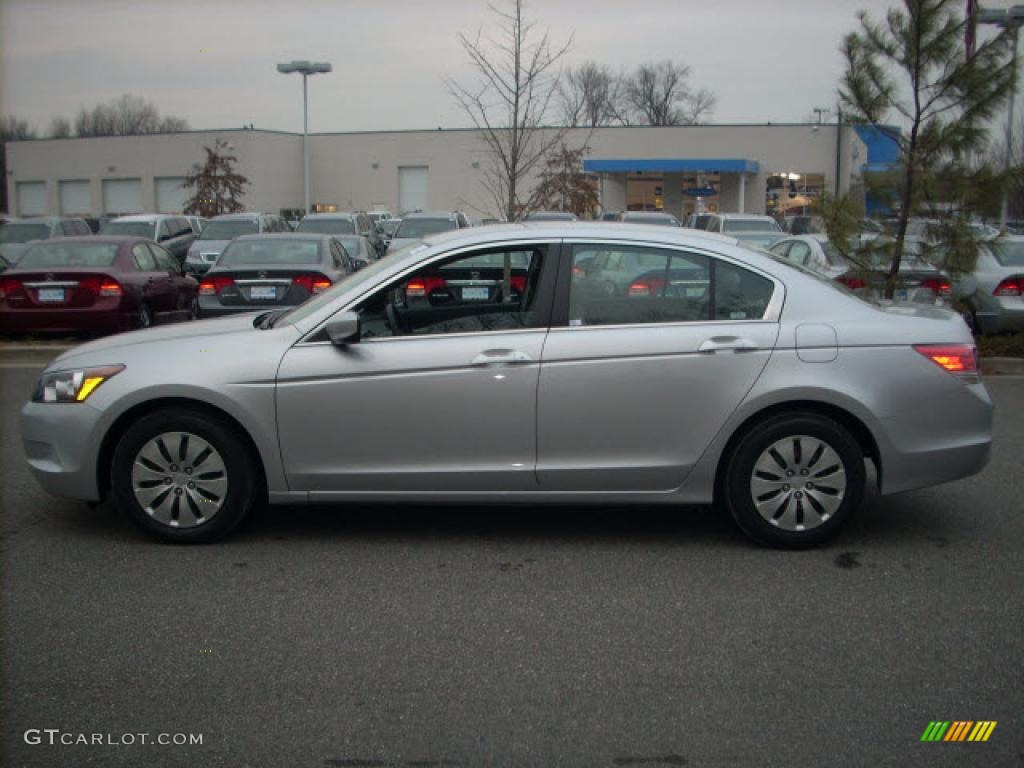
(919, 280)
(993, 294)
(481, 367)
(221, 230)
(754, 230)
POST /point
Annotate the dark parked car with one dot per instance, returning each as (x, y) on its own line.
(174, 233)
(16, 234)
(97, 283)
(220, 230)
(269, 271)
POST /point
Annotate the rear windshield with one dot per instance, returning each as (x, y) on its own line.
(265, 252)
(130, 228)
(750, 225)
(17, 232)
(1009, 253)
(228, 229)
(57, 254)
(327, 226)
(419, 228)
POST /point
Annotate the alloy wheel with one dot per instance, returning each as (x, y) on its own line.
(798, 483)
(179, 479)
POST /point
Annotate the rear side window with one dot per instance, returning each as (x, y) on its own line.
(625, 285)
(143, 258)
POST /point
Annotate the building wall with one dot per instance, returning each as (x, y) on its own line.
(360, 170)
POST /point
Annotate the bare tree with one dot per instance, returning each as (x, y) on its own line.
(588, 96)
(658, 94)
(510, 101)
(564, 186)
(11, 129)
(126, 115)
(60, 128)
(218, 186)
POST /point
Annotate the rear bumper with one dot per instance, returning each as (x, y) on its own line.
(64, 320)
(61, 444)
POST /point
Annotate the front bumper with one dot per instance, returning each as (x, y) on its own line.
(61, 443)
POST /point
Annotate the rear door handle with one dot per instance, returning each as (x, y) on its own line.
(501, 357)
(726, 344)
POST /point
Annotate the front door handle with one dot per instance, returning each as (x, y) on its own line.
(501, 357)
(726, 344)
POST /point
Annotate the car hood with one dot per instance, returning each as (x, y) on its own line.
(208, 246)
(198, 329)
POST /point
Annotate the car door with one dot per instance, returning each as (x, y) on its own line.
(438, 395)
(182, 289)
(634, 386)
(156, 283)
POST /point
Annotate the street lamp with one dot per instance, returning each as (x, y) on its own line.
(305, 68)
(1007, 18)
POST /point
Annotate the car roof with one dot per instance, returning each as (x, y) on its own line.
(37, 219)
(285, 236)
(146, 217)
(580, 229)
(758, 216)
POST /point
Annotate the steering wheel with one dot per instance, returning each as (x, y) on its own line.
(397, 328)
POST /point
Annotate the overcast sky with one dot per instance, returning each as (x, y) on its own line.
(212, 62)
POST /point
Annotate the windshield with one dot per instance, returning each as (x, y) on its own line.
(270, 252)
(228, 229)
(750, 225)
(130, 228)
(58, 254)
(1009, 253)
(327, 226)
(420, 228)
(17, 232)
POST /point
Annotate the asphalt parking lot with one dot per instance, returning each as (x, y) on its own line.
(359, 637)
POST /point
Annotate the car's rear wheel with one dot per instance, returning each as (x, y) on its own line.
(183, 476)
(794, 480)
(144, 317)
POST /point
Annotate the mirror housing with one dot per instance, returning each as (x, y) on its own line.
(343, 329)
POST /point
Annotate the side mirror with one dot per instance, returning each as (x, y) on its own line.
(343, 329)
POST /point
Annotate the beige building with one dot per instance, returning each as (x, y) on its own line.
(751, 168)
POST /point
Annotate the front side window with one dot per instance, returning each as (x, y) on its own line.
(492, 290)
(625, 285)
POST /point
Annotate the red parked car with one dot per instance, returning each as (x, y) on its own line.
(95, 284)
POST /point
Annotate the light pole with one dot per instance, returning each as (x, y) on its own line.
(1007, 18)
(305, 68)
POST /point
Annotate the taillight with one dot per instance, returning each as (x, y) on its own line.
(101, 286)
(312, 283)
(939, 286)
(851, 282)
(518, 283)
(422, 286)
(1011, 286)
(961, 359)
(649, 287)
(577, 271)
(8, 285)
(212, 286)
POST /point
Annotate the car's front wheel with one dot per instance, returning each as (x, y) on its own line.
(183, 476)
(794, 480)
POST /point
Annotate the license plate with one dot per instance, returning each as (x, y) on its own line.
(263, 292)
(51, 294)
(476, 293)
(900, 294)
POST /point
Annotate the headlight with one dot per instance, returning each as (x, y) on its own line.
(72, 386)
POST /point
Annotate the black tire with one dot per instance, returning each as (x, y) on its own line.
(243, 483)
(971, 318)
(144, 318)
(754, 446)
(193, 309)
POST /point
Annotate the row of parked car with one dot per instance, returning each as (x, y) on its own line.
(147, 268)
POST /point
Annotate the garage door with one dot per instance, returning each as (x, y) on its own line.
(413, 186)
(122, 196)
(171, 195)
(31, 198)
(75, 198)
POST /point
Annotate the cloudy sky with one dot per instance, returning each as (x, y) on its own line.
(212, 61)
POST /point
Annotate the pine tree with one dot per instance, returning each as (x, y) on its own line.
(218, 188)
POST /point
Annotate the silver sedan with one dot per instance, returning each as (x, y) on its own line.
(993, 293)
(487, 365)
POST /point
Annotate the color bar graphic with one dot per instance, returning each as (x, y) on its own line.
(958, 730)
